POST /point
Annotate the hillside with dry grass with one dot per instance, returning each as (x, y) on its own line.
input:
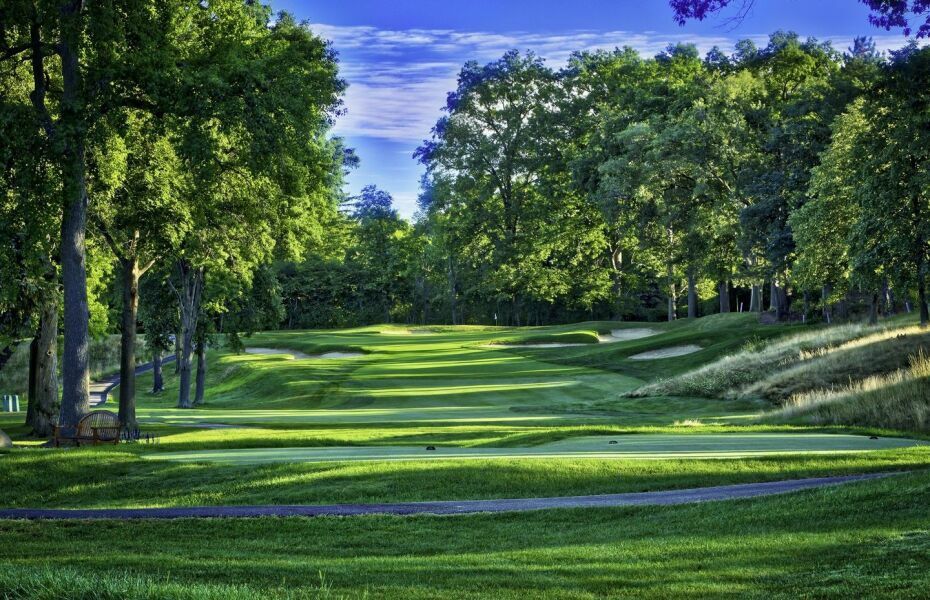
(874, 376)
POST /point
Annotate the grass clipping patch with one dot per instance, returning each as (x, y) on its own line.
(900, 400)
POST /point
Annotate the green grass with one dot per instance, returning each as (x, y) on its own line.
(531, 422)
(808, 544)
(643, 447)
(108, 479)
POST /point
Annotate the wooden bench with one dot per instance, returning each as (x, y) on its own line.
(96, 427)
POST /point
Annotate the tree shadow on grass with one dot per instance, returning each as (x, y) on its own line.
(808, 541)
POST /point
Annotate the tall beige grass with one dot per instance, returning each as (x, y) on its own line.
(899, 400)
(829, 367)
(753, 364)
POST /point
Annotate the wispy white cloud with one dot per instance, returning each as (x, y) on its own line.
(398, 79)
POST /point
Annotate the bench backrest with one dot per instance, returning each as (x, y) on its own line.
(105, 422)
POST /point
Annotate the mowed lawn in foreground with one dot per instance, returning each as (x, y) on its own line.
(867, 539)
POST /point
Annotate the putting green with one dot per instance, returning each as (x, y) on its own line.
(644, 446)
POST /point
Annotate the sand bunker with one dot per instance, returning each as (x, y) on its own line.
(334, 355)
(275, 351)
(300, 355)
(667, 352)
(518, 346)
(625, 335)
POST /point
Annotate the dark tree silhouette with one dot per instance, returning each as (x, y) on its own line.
(887, 14)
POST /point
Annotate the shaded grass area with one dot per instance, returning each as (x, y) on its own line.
(803, 544)
(100, 478)
(104, 360)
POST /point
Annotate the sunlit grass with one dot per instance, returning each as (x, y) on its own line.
(515, 422)
(809, 544)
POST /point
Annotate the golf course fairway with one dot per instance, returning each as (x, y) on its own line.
(509, 423)
(644, 447)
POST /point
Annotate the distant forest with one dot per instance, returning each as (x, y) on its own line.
(790, 178)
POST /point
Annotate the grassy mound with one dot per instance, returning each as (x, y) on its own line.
(872, 355)
(569, 337)
(753, 363)
(900, 400)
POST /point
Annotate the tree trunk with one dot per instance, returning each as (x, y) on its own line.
(886, 303)
(75, 369)
(189, 298)
(43, 392)
(672, 302)
(873, 308)
(177, 352)
(158, 382)
(616, 273)
(201, 371)
(773, 295)
(127, 361)
(920, 251)
(781, 302)
(827, 307)
(33, 380)
(755, 298)
(723, 289)
(692, 297)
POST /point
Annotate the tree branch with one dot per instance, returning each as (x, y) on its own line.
(38, 78)
(111, 242)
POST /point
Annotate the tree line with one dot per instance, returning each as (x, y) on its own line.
(156, 149)
(789, 178)
(168, 168)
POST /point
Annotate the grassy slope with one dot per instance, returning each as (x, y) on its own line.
(877, 353)
(445, 388)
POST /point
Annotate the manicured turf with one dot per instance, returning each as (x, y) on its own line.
(643, 447)
(444, 387)
(862, 540)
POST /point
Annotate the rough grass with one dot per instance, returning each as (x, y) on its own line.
(756, 361)
(900, 400)
(53, 583)
(842, 365)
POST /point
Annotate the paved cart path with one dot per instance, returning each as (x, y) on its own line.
(666, 498)
(100, 389)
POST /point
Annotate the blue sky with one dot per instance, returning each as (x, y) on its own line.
(401, 57)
